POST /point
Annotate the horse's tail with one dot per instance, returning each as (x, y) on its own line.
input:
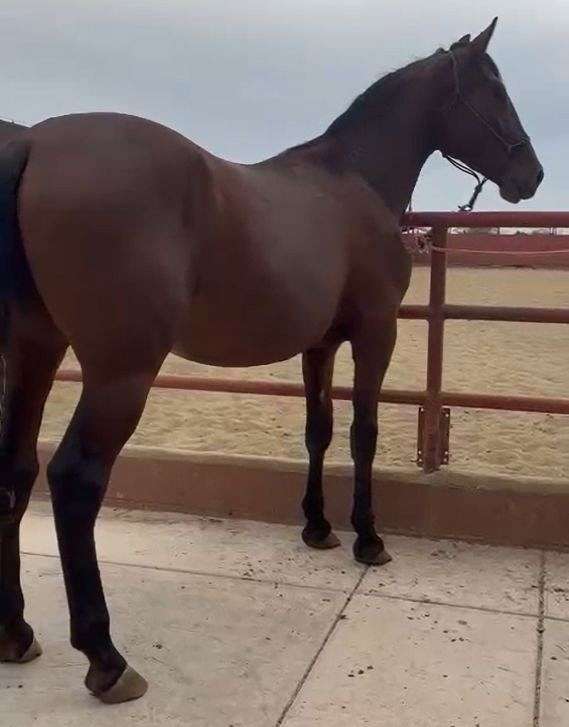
(15, 276)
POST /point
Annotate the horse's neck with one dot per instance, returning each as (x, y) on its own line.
(389, 152)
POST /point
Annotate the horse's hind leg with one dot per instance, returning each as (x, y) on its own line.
(108, 412)
(31, 353)
(317, 369)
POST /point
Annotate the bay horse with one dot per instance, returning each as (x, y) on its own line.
(125, 241)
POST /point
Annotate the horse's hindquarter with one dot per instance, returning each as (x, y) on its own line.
(102, 215)
(138, 240)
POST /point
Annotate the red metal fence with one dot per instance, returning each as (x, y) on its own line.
(432, 400)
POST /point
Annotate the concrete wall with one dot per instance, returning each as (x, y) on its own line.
(491, 509)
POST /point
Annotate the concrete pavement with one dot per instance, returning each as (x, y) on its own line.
(237, 624)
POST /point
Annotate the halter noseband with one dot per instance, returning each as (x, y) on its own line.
(508, 146)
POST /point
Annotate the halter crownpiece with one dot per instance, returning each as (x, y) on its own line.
(508, 145)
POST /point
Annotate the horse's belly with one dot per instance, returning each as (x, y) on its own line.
(232, 335)
(238, 357)
(259, 296)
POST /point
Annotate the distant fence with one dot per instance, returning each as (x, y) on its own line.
(496, 250)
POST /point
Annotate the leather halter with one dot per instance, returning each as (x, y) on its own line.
(509, 146)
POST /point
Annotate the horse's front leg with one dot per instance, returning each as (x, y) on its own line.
(372, 349)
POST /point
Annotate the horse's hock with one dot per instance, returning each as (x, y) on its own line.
(512, 510)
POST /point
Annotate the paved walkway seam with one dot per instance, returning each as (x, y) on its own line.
(540, 630)
(316, 656)
(433, 602)
(206, 574)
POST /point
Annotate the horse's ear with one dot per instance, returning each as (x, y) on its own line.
(465, 40)
(480, 44)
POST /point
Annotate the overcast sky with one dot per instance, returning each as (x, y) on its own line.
(248, 78)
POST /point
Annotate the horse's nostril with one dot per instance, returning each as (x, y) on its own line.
(540, 176)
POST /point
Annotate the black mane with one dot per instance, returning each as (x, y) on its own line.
(380, 94)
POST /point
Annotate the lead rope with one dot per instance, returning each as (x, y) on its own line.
(480, 182)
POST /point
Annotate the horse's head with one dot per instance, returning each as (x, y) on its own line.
(478, 123)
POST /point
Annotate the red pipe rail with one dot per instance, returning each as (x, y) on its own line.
(486, 219)
(488, 313)
(433, 399)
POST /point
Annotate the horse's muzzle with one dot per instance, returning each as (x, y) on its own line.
(523, 177)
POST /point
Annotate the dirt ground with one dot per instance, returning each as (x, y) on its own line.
(484, 357)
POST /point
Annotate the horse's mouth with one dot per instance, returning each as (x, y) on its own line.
(510, 194)
(514, 192)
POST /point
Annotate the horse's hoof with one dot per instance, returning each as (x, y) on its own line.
(32, 652)
(313, 540)
(371, 554)
(130, 685)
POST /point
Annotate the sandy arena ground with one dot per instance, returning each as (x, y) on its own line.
(528, 359)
